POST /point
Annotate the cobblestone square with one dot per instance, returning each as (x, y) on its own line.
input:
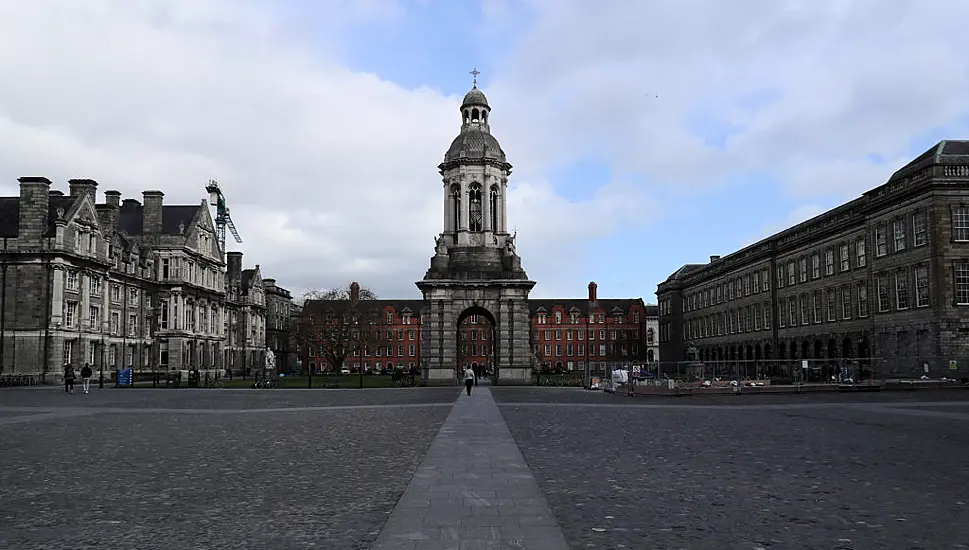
(351, 469)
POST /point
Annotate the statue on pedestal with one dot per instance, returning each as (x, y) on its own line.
(440, 247)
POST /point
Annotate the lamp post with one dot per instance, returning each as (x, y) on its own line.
(103, 352)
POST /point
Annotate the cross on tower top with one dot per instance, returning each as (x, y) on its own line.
(475, 74)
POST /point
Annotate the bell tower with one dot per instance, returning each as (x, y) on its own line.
(475, 267)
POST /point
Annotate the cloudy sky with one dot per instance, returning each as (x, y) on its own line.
(644, 135)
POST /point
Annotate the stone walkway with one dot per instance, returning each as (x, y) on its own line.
(473, 490)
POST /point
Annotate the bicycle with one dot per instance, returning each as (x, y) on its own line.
(407, 382)
(264, 385)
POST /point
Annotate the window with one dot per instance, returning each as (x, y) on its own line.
(602, 350)
(569, 349)
(94, 317)
(898, 230)
(846, 302)
(133, 296)
(165, 268)
(91, 353)
(790, 272)
(881, 241)
(921, 286)
(862, 299)
(831, 304)
(411, 350)
(829, 262)
(884, 299)
(901, 289)
(844, 257)
(756, 282)
(72, 280)
(410, 335)
(70, 313)
(782, 312)
(817, 306)
(163, 321)
(132, 325)
(962, 283)
(558, 335)
(115, 322)
(860, 253)
(960, 223)
(792, 311)
(581, 350)
(758, 315)
(815, 265)
(805, 309)
(94, 285)
(390, 318)
(765, 278)
(635, 317)
(802, 269)
(768, 313)
(920, 234)
(780, 276)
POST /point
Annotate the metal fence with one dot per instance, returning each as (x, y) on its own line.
(813, 371)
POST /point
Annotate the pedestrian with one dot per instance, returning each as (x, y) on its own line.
(69, 378)
(86, 374)
(468, 379)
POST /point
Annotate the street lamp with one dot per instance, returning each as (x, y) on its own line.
(101, 369)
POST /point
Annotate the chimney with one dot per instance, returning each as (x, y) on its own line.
(269, 282)
(152, 214)
(233, 266)
(34, 210)
(56, 193)
(84, 188)
(113, 198)
(592, 291)
(354, 291)
(714, 258)
(130, 204)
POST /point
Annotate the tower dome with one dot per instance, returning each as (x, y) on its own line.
(475, 98)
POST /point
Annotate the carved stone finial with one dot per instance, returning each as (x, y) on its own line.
(181, 228)
(60, 213)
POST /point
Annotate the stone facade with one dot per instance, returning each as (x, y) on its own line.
(475, 269)
(279, 326)
(882, 278)
(114, 285)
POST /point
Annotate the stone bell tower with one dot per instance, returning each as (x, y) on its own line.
(475, 269)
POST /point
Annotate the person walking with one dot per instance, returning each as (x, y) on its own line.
(86, 374)
(69, 378)
(468, 379)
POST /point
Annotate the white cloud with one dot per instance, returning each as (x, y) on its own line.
(800, 214)
(330, 174)
(846, 78)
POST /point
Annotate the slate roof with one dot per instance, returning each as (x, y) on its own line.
(474, 97)
(945, 152)
(581, 305)
(10, 213)
(474, 143)
(132, 214)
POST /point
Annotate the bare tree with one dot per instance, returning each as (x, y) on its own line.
(338, 321)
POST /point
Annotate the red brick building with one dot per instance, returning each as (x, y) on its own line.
(566, 334)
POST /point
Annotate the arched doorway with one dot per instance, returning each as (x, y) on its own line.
(476, 342)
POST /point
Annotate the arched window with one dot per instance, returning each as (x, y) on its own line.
(474, 207)
(650, 335)
(494, 208)
(456, 200)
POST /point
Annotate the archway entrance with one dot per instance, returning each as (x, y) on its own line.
(476, 343)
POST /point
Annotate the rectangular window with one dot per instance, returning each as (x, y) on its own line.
(70, 313)
(581, 349)
(831, 304)
(960, 223)
(920, 234)
(94, 284)
(72, 280)
(569, 349)
(881, 241)
(862, 299)
(115, 293)
(790, 272)
(780, 276)
(758, 315)
(802, 269)
(765, 277)
(805, 309)
(815, 265)
(846, 302)
(602, 350)
(829, 261)
(862, 260)
(163, 321)
(115, 322)
(884, 298)
(132, 324)
(165, 268)
(817, 306)
(845, 258)
(756, 282)
(768, 313)
(901, 289)
(898, 230)
(962, 283)
(792, 311)
(94, 318)
(921, 286)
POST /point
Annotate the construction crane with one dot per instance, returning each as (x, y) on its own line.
(222, 218)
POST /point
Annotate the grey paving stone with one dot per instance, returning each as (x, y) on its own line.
(478, 487)
(114, 472)
(828, 472)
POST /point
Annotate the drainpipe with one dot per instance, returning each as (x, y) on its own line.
(3, 312)
(47, 318)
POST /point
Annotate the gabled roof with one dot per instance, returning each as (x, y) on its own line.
(132, 214)
(10, 213)
(581, 305)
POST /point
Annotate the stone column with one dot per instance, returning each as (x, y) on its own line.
(465, 208)
(486, 207)
(448, 209)
(57, 297)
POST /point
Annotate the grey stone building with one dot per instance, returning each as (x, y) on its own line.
(114, 285)
(245, 323)
(279, 326)
(475, 269)
(883, 278)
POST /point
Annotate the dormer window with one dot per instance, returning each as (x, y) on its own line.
(558, 317)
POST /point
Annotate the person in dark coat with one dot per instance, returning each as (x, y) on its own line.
(69, 377)
(86, 374)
